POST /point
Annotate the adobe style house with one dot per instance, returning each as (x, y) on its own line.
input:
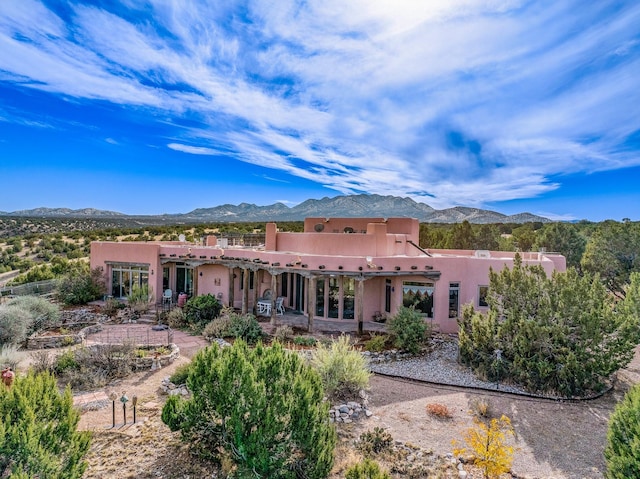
(338, 269)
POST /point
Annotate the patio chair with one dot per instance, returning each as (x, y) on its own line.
(280, 306)
(167, 297)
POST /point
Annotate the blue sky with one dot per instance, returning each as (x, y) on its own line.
(163, 106)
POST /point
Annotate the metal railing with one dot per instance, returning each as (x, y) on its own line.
(36, 288)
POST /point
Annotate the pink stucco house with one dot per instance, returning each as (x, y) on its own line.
(338, 269)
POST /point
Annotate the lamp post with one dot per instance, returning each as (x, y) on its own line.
(123, 400)
(134, 401)
(113, 396)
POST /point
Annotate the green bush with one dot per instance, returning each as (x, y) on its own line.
(15, 324)
(180, 374)
(560, 334)
(260, 408)
(305, 341)
(81, 285)
(200, 310)
(376, 441)
(38, 432)
(246, 327)
(44, 313)
(367, 469)
(65, 361)
(409, 330)
(343, 369)
(376, 343)
(622, 452)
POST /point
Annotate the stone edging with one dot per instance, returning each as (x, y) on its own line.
(61, 340)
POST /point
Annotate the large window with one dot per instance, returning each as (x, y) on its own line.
(348, 298)
(454, 300)
(334, 298)
(125, 276)
(419, 296)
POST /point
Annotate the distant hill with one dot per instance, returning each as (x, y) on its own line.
(348, 206)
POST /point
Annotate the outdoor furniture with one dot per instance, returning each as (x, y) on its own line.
(280, 305)
(264, 307)
(167, 297)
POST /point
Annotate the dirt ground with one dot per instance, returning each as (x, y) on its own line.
(553, 439)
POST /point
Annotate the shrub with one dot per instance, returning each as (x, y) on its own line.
(409, 330)
(139, 298)
(176, 318)
(376, 343)
(218, 328)
(480, 407)
(376, 441)
(305, 341)
(622, 453)
(45, 314)
(9, 356)
(259, 410)
(200, 310)
(546, 328)
(367, 469)
(180, 374)
(112, 306)
(14, 324)
(65, 361)
(343, 369)
(244, 326)
(488, 445)
(283, 333)
(80, 285)
(38, 433)
(439, 410)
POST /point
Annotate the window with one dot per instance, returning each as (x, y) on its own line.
(348, 298)
(284, 284)
(320, 298)
(454, 300)
(125, 276)
(482, 296)
(334, 297)
(419, 295)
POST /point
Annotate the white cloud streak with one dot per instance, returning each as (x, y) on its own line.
(449, 102)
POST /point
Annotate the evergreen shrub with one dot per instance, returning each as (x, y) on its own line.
(622, 452)
(38, 431)
(200, 310)
(262, 409)
(80, 285)
(409, 330)
(45, 314)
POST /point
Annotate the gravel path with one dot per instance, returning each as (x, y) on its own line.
(441, 366)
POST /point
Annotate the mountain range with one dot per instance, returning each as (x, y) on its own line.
(348, 206)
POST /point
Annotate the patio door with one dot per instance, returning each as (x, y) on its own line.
(184, 279)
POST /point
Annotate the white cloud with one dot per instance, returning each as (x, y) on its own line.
(194, 150)
(449, 102)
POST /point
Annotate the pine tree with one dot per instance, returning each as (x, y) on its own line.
(38, 435)
(622, 452)
(262, 408)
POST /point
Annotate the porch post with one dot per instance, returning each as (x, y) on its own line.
(232, 285)
(274, 296)
(245, 290)
(257, 284)
(311, 301)
(360, 306)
